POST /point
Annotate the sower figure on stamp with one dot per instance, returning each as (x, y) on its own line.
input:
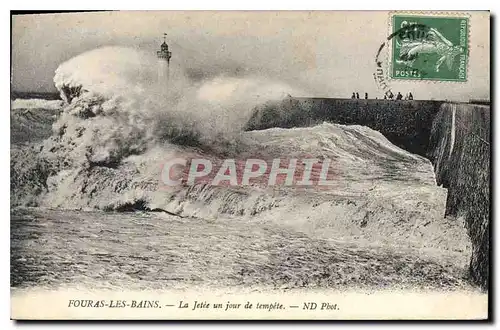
(433, 43)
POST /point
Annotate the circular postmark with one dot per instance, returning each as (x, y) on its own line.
(408, 32)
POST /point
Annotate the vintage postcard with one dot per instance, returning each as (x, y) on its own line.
(256, 165)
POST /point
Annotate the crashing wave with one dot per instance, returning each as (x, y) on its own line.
(36, 104)
(116, 107)
(120, 124)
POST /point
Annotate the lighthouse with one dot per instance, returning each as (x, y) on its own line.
(164, 56)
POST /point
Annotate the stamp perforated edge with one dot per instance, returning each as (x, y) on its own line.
(457, 14)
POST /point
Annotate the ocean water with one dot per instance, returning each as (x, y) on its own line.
(54, 249)
(88, 208)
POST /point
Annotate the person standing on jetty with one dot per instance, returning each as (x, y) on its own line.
(357, 95)
(366, 96)
(353, 95)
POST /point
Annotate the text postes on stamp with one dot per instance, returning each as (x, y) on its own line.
(429, 47)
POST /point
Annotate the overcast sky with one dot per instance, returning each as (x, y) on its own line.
(329, 54)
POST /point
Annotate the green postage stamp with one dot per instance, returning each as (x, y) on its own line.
(429, 47)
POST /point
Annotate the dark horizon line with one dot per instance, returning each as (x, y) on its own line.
(56, 96)
(24, 94)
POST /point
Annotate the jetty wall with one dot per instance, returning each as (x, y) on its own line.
(454, 137)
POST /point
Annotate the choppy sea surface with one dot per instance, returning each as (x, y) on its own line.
(381, 226)
(88, 208)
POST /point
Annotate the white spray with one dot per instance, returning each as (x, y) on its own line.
(118, 108)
